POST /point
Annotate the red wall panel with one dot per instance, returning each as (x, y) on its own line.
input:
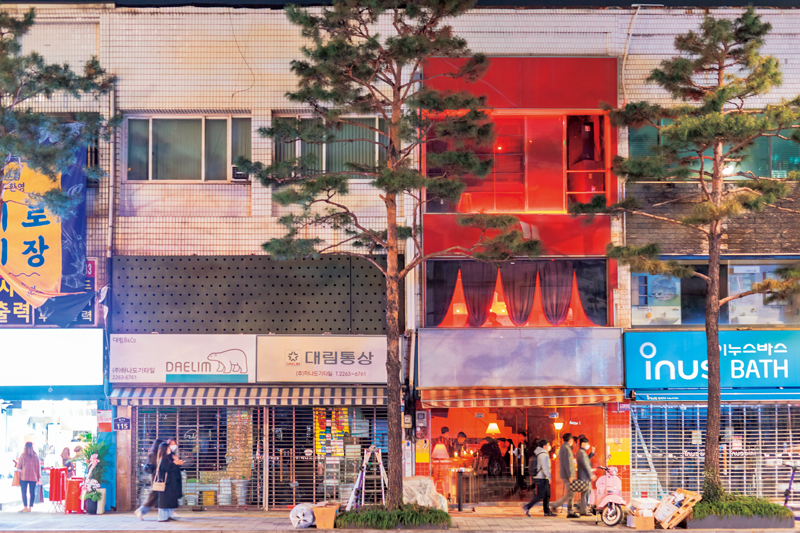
(559, 234)
(535, 82)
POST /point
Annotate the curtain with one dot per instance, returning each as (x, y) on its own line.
(555, 278)
(519, 288)
(241, 131)
(138, 149)
(441, 278)
(216, 150)
(177, 147)
(479, 280)
(591, 279)
(339, 154)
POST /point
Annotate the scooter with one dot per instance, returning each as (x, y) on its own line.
(607, 498)
(788, 492)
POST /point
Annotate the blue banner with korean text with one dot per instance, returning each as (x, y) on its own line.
(677, 359)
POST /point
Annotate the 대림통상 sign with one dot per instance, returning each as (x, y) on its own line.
(182, 358)
(321, 359)
(677, 359)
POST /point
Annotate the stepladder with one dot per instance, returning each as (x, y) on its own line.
(358, 495)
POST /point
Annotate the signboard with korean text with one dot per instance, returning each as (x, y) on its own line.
(143, 358)
(122, 423)
(321, 359)
(677, 359)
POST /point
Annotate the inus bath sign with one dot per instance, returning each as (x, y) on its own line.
(182, 359)
(677, 360)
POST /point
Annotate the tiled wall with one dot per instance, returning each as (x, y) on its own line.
(223, 60)
(618, 442)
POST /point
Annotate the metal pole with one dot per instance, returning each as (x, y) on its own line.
(460, 489)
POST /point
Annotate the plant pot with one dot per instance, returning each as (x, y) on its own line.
(101, 503)
(91, 506)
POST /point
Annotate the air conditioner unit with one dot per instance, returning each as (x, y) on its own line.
(238, 175)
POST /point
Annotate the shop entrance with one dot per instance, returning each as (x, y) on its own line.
(222, 449)
(315, 453)
(52, 427)
(495, 444)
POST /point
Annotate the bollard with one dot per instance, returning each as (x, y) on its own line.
(460, 489)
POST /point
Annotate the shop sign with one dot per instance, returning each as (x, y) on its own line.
(677, 359)
(321, 359)
(182, 358)
(104, 420)
(51, 357)
(122, 424)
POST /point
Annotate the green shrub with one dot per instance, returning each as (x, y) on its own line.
(378, 517)
(738, 505)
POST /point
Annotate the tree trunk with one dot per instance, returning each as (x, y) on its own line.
(394, 392)
(712, 488)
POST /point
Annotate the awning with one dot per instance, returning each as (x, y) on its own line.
(520, 397)
(250, 395)
(727, 395)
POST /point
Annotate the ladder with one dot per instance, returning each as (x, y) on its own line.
(358, 487)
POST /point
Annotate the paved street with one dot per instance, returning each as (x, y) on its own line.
(231, 522)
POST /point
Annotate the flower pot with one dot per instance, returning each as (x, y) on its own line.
(91, 506)
(101, 503)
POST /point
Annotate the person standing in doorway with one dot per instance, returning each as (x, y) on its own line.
(584, 473)
(168, 472)
(150, 468)
(540, 471)
(29, 475)
(566, 470)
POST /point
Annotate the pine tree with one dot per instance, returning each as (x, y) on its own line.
(717, 73)
(43, 141)
(347, 70)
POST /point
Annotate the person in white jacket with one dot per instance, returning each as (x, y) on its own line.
(540, 470)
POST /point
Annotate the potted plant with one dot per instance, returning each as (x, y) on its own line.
(91, 494)
(94, 457)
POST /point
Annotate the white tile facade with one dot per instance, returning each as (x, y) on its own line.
(224, 60)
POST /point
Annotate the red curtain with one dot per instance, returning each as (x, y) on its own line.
(555, 278)
(479, 280)
(519, 288)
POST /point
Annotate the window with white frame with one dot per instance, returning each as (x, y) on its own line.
(333, 157)
(185, 148)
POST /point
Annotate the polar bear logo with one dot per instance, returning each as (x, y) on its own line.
(230, 361)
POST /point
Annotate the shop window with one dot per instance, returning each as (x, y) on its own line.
(335, 156)
(185, 148)
(541, 164)
(665, 301)
(497, 443)
(520, 293)
(765, 157)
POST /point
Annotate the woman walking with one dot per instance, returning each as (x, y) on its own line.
(170, 474)
(150, 468)
(29, 475)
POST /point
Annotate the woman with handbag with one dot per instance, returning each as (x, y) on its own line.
(167, 483)
(150, 468)
(29, 470)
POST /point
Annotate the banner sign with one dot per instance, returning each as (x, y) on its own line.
(321, 359)
(15, 311)
(677, 359)
(143, 358)
(43, 257)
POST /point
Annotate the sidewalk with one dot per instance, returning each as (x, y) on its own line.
(233, 522)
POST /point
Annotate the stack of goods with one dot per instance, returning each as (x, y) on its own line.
(330, 426)
(674, 508)
(640, 513)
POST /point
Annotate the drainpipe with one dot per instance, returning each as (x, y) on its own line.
(627, 46)
(110, 240)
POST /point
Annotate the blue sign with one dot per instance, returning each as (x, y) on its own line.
(677, 359)
(122, 424)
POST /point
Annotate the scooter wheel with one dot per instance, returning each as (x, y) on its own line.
(612, 514)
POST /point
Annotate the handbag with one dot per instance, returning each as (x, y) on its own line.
(159, 486)
(579, 485)
(15, 481)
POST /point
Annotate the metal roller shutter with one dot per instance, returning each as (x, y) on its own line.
(756, 442)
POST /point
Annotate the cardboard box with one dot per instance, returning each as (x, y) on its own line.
(644, 503)
(641, 522)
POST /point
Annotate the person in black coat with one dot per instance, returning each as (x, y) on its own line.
(169, 472)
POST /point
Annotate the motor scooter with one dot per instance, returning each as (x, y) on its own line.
(607, 499)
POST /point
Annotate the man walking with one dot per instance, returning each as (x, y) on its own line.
(585, 473)
(566, 462)
(540, 470)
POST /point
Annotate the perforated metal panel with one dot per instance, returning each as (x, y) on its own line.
(247, 294)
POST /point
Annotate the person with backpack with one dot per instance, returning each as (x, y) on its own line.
(540, 471)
